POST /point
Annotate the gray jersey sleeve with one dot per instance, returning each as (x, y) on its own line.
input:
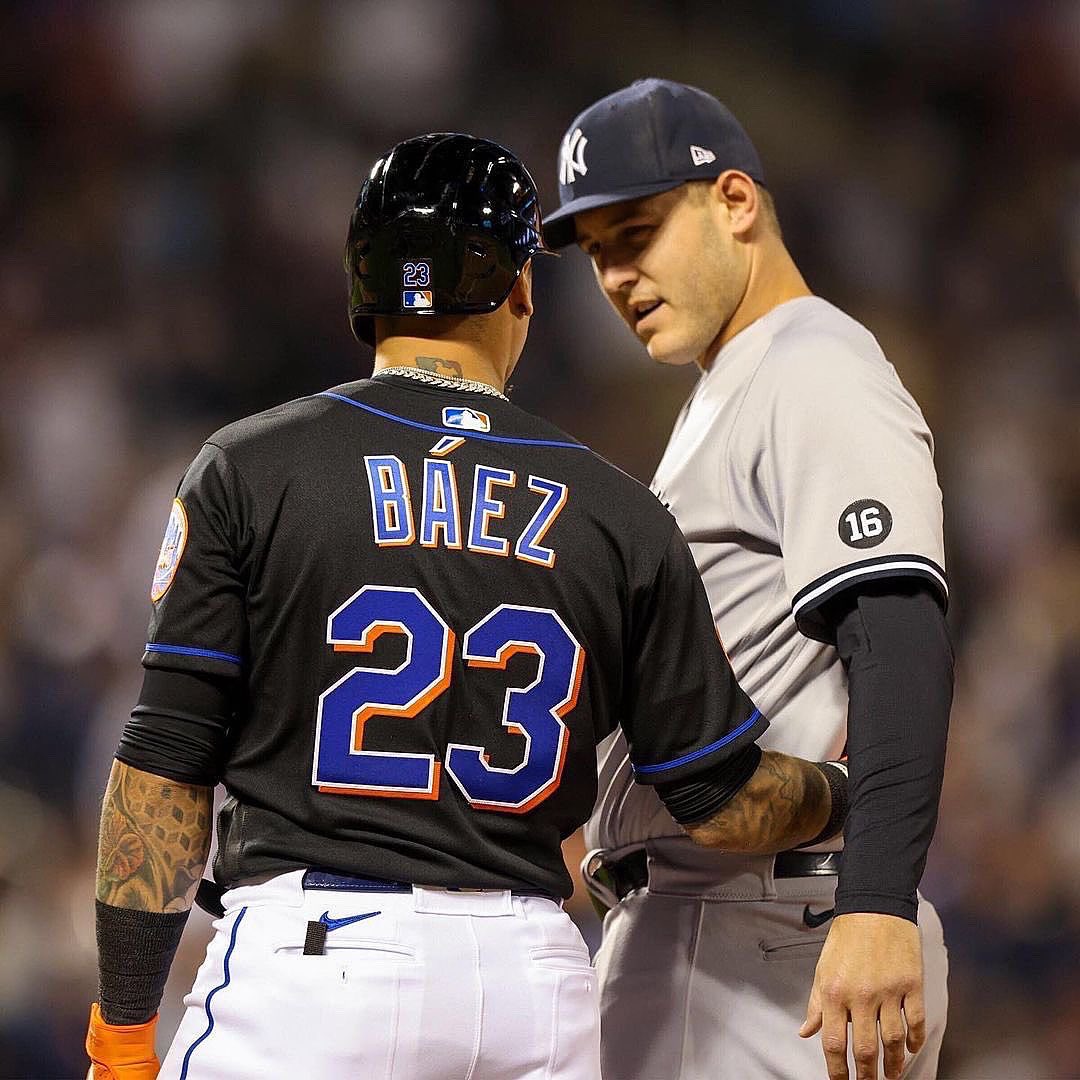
(847, 472)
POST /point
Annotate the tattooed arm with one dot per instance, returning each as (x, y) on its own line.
(152, 847)
(785, 803)
(153, 841)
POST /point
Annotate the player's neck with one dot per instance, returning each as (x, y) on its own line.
(448, 358)
(774, 280)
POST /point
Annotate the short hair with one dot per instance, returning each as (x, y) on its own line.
(767, 211)
(430, 326)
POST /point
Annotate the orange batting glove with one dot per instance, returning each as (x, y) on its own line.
(121, 1051)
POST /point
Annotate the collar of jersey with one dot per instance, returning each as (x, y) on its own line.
(460, 432)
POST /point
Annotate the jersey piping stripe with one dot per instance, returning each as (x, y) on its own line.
(184, 650)
(210, 997)
(459, 432)
(885, 566)
(695, 754)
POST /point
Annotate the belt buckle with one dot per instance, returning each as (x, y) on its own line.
(598, 881)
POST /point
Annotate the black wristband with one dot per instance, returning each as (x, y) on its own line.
(135, 952)
(836, 775)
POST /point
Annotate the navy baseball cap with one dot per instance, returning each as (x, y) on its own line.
(651, 136)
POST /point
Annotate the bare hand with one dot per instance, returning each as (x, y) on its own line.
(871, 972)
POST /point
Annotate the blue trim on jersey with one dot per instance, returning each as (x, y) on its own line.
(184, 650)
(457, 432)
(694, 755)
(210, 996)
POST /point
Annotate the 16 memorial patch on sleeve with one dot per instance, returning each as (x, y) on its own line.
(865, 523)
(172, 548)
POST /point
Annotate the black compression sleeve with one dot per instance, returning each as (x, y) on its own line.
(698, 797)
(179, 727)
(894, 644)
(135, 952)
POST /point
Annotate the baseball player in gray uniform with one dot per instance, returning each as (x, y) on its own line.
(801, 472)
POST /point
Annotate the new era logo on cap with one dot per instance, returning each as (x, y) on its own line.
(699, 155)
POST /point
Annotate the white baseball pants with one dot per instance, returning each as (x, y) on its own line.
(429, 984)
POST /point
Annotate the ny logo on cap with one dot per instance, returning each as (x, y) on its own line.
(572, 157)
(701, 156)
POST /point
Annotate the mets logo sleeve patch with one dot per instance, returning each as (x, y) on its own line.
(198, 619)
(172, 550)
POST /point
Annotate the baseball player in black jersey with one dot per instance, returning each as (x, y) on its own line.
(394, 619)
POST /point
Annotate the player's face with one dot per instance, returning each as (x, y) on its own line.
(669, 268)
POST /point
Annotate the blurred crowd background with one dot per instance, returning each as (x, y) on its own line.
(175, 182)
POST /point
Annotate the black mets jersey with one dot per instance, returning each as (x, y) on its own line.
(436, 605)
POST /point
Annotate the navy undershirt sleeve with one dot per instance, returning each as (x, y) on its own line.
(894, 644)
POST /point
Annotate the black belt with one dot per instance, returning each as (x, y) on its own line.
(631, 872)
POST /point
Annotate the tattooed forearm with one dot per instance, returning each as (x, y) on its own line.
(153, 843)
(448, 368)
(785, 803)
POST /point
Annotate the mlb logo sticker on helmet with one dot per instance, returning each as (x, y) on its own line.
(416, 298)
(470, 419)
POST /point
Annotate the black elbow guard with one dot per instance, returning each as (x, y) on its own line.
(699, 797)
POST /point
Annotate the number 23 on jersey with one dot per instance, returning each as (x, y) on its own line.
(344, 765)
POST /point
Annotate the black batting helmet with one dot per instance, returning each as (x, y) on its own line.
(442, 226)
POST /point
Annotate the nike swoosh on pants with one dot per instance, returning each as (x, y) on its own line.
(337, 924)
(814, 921)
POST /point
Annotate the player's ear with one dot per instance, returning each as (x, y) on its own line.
(736, 196)
(520, 298)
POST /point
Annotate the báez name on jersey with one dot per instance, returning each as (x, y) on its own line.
(441, 521)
